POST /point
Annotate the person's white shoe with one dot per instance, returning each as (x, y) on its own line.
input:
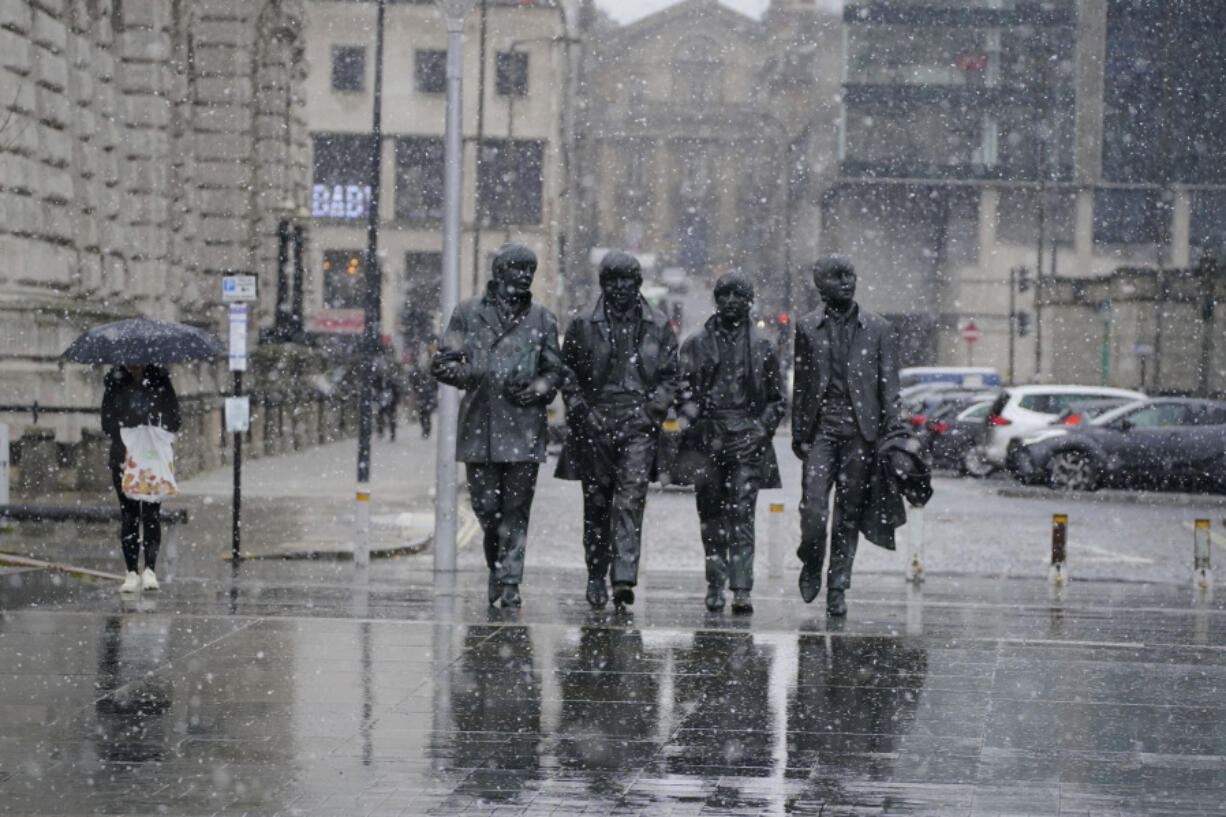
(131, 582)
(149, 579)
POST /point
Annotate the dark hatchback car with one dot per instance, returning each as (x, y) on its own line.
(953, 429)
(1169, 442)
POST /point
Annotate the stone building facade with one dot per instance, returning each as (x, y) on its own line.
(147, 147)
(705, 139)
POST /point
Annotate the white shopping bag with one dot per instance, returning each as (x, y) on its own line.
(149, 465)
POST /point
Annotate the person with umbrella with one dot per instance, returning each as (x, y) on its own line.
(136, 396)
(138, 392)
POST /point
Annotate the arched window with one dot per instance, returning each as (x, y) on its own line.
(698, 72)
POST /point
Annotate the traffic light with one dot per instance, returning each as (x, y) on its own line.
(1023, 324)
(1023, 279)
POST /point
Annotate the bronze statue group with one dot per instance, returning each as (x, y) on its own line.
(620, 371)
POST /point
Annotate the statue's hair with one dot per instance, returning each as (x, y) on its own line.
(833, 263)
(617, 262)
(513, 255)
(735, 279)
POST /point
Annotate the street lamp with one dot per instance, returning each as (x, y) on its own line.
(370, 320)
(454, 12)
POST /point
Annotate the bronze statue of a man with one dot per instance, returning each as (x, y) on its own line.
(844, 402)
(622, 353)
(731, 400)
(502, 350)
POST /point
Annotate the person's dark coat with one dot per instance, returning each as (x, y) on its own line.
(495, 362)
(127, 403)
(872, 375)
(587, 352)
(900, 471)
(699, 365)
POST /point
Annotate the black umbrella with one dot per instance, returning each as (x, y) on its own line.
(139, 341)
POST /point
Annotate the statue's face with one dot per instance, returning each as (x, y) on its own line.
(516, 280)
(732, 305)
(836, 286)
(621, 289)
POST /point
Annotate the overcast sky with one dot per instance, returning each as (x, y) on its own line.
(627, 11)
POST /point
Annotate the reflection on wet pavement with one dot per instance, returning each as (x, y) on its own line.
(390, 698)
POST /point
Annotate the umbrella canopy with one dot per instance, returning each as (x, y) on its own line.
(143, 341)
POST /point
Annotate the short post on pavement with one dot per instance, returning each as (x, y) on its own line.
(1202, 574)
(915, 543)
(454, 12)
(1059, 548)
(775, 548)
(4, 464)
(237, 291)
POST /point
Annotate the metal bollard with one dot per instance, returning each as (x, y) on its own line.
(1202, 574)
(361, 537)
(774, 553)
(915, 543)
(1059, 547)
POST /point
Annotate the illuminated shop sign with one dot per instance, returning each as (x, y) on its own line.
(340, 200)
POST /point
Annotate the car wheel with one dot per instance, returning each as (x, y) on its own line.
(975, 465)
(1072, 471)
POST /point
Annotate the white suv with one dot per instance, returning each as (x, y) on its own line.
(1021, 410)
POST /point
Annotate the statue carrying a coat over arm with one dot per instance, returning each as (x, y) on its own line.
(502, 350)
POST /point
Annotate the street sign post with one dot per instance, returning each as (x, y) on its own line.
(970, 334)
(237, 290)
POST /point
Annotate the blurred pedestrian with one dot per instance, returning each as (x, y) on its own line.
(388, 389)
(502, 351)
(844, 402)
(623, 355)
(732, 399)
(137, 396)
(423, 386)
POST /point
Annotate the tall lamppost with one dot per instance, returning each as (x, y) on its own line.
(454, 12)
(370, 320)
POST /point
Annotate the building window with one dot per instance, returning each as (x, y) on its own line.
(423, 274)
(636, 90)
(697, 73)
(431, 70)
(348, 68)
(341, 188)
(419, 178)
(511, 73)
(344, 279)
(1208, 228)
(1130, 216)
(510, 182)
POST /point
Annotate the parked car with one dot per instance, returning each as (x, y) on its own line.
(1020, 410)
(1082, 413)
(918, 409)
(1162, 442)
(952, 430)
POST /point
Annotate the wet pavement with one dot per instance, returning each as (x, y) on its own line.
(317, 688)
